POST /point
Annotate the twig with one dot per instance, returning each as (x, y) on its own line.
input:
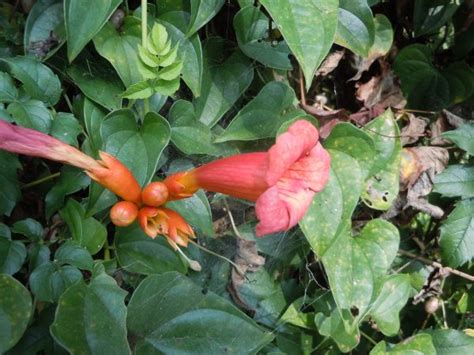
(438, 265)
(232, 222)
(40, 181)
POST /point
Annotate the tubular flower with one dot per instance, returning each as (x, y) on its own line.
(164, 221)
(109, 171)
(282, 181)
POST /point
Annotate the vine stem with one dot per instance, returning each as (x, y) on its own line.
(436, 264)
(144, 6)
(40, 181)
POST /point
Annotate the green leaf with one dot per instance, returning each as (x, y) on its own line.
(12, 252)
(222, 86)
(422, 84)
(121, 50)
(196, 211)
(418, 344)
(251, 27)
(334, 326)
(31, 114)
(71, 180)
(355, 28)
(92, 317)
(15, 311)
(262, 116)
(331, 209)
(86, 231)
(98, 81)
(455, 180)
(308, 26)
(75, 255)
(429, 16)
(392, 298)
(66, 128)
(463, 137)
(383, 39)
(29, 228)
(38, 80)
(188, 134)
(381, 188)
(141, 254)
(457, 234)
(201, 13)
(166, 308)
(460, 77)
(139, 148)
(140, 90)
(450, 341)
(10, 192)
(93, 116)
(44, 28)
(82, 24)
(49, 280)
(294, 315)
(353, 141)
(189, 50)
(8, 91)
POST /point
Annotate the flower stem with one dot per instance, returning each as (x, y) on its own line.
(40, 181)
(144, 6)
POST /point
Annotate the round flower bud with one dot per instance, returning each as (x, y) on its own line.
(432, 305)
(155, 194)
(123, 213)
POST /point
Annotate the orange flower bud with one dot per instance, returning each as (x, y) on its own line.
(123, 213)
(117, 178)
(181, 185)
(155, 194)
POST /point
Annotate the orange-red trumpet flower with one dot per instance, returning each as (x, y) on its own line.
(164, 221)
(108, 171)
(282, 181)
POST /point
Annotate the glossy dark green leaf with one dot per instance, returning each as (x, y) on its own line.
(49, 280)
(98, 81)
(92, 317)
(196, 211)
(460, 77)
(251, 29)
(222, 86)
(93, 117)
(75, 255)
(44, 28)
(10, 192)
(66, 128)
(202, 11)
(455, 180)
(457, 234)
(463, 137)
(165, 308)
(12, 252)
(262, 116)
(382, 185)
(29, 228)
(31, 114)
(418, 344)
(8, 91)
(429, 16)
(82, 24)
(38, 80)
(86, 231)
(189, 51)
(38, 255)
(138, 253)
(15, 311)
(308, 26)
(355, 28)
(451, 341)
(121, 50)
(422, 84)
(71, 180)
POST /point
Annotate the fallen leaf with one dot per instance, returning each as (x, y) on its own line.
(330, 63)
(414, 129)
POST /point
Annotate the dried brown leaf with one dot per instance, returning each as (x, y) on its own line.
(414, 129)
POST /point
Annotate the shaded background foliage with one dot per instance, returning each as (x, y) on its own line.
(382, 260)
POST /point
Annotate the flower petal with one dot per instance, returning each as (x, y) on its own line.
(300, 138)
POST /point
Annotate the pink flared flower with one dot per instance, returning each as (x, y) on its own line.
(282, 181)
